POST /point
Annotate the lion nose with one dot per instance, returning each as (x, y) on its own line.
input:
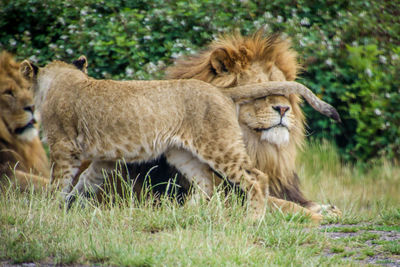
(281, 109)
(29, 108)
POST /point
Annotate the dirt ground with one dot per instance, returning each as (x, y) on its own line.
(378, 255)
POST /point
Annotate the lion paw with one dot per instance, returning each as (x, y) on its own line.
(330, 211)
(326, 210)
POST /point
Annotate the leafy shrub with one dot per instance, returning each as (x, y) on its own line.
(350, 50)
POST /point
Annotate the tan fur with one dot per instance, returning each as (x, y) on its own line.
(105, 121)
(22, 157)
(236, 60)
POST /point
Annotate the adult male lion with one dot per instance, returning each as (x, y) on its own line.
(273, 127)
(22, 156)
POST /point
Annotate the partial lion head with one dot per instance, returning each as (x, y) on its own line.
(273, 126)
(16, 102)
(22, 157)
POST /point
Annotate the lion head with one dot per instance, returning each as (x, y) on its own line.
(19, 142)
(16, 102)
(273, 126)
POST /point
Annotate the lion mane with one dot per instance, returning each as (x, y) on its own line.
(236, 60)
(22, 156)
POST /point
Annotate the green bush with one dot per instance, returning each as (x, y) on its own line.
(350, 50)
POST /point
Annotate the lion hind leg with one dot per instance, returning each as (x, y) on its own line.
(193, 170)
(93, 177)
(90, 180)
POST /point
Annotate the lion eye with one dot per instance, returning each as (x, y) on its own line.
(260, 98)
(9, 92)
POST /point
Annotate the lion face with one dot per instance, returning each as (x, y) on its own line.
(270, 118)
(16, 105)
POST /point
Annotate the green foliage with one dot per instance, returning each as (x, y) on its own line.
(350, 50)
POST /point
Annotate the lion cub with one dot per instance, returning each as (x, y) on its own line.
(105, 121)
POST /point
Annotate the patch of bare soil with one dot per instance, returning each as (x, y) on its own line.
(379, 255)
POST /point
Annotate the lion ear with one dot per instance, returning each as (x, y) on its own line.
(28, 70)
(81, 63)
(221, 61)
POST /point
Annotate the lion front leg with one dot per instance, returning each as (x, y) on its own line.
(65, 165)
(25, 180)
(291, 207)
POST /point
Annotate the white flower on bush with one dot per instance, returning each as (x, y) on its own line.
(395, 57)
(329, 62)
(151, 67)
(12, 42)
(256, 24)
(129, 71)
(279, 19)
(382, 59)
(147, 37)
(63, 37)
(69, 51)
(33, 58)
(368, 71)
(305, 22)
(377, 112)
(267, 15)
(266, 27)
(61, 20)
(176, 55)
(161, 64)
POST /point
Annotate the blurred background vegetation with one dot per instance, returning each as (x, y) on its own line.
(350, 50)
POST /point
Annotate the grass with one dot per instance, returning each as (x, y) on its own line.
(34, 228)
